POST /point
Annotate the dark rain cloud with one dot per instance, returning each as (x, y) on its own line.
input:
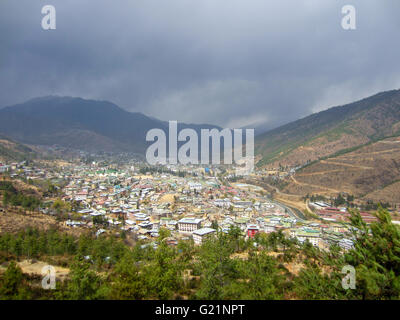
(231, 63)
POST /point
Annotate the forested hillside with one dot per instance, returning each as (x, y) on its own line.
(227, 267)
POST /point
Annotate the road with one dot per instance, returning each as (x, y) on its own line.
(291, 211)
(299, 216)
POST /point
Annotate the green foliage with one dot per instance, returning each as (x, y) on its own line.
(84, 283)
(339, 201)
(32, 243)
(99, 220)
(12, 197)
(128, 283)
(214, 224)
(312, 284)
(163, 275)
(11, 286)
(225, 267)
(7, 186)
(216, 267)
(164, 233)
(260, 277)
(376, 257)
(236, 239)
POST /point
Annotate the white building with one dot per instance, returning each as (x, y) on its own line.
(346, 244)
(268, 228)
(199, 236)
(195, 186)
(222, 203)
(189, 224)
(4, 169)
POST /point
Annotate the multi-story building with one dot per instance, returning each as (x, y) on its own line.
(189, 224)
(302, 235)
(199, 236)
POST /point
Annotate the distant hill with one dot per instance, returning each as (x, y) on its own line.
(327, 132)
(77, 123)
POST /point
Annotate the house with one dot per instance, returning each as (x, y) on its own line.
(164, 221)
(238, 208)
(268, 228)
(199, 236)
(319, 205)
(71, 223)
(146, 225)
(189, 224)
(171, 241)
(100, 231)
(310, 235)
(4, 168)
(194, 186)
(172, 225)
(82, 195)
(118, 213)
(252, 230)
(222, 203)
(346, 244)
(241, 223)
(244, 204)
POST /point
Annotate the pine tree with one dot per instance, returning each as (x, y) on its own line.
(84, 283)
(11, 285)
(376, 256)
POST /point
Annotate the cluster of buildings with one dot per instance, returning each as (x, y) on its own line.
(333, 214)
(196, 204)
(30, 171)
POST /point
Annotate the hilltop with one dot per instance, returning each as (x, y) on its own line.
(89, 125)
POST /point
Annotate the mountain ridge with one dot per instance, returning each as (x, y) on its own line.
(86, 124)
(331, 130)
(94, 125)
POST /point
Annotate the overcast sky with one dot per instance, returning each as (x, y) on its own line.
(227, 62)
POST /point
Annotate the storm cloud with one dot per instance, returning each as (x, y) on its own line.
(230, 63)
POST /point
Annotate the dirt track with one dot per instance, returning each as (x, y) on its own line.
(314, 185)
(36, 268)
(346, 165)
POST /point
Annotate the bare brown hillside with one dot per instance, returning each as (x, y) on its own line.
(371, 172)
(14, 151)
(15, 220)
(327, 132)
